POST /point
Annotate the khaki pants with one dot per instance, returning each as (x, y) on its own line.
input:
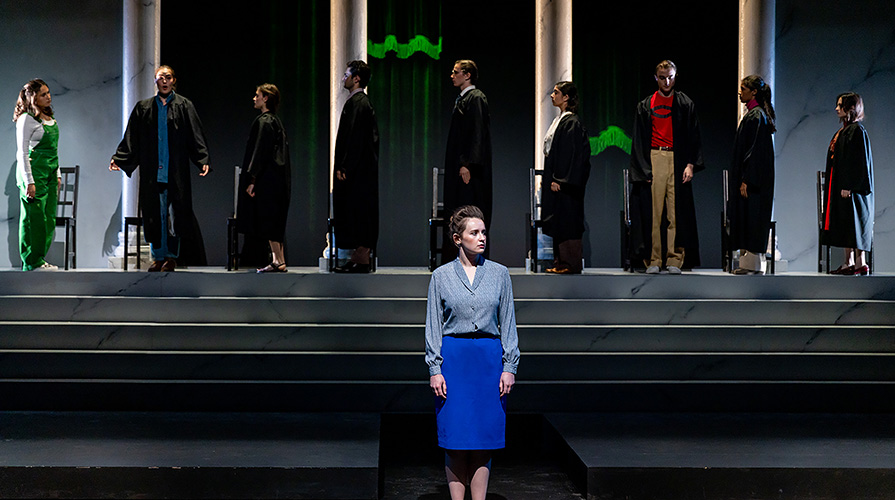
(663, 198)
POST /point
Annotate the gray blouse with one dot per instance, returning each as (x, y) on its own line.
(484, 307)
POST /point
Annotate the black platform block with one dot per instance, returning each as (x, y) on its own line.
(730, 456)
(189, 455)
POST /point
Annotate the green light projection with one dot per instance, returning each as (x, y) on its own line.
(612, 136)
(418, 43)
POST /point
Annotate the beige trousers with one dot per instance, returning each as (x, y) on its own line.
(663, 198)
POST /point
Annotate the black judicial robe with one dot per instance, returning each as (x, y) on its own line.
(469, 144)
(687, 149)
(186, 143)
(849, 221)
(266, 161)
(356, 199)
(568, 164)
(753, 163)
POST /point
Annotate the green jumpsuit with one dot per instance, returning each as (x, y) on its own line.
(37, 217)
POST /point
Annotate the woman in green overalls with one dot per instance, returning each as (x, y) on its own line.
(37, 173)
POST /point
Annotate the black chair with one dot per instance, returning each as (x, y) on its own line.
(334, 251)
(67, 213)
(232, 233)
(823, 251)
(436, 218)
(534, 221)
(726, 249)
(625, 224)
(137, 223)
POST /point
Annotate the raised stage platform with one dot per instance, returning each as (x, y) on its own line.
(134, 348)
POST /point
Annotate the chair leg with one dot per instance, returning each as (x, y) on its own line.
(65, 246)
(74, 245)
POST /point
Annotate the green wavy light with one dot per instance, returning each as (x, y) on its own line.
(612, 136)
(418, 43)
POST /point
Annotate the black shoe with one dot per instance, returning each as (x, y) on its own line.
(352, 268)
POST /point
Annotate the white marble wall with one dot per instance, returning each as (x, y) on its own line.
(824, 48)
(76, 48)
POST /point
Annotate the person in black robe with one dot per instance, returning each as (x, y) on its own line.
(687, 159)
(566, 169)
(356, 173)
(848, 205)
(467, 160)
(266, 179)
(165, 198)
(751, 183)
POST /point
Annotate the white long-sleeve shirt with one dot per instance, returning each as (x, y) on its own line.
(29, 132)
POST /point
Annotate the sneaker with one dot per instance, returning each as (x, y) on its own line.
(46, 266)
(674, 270)
(653, 270)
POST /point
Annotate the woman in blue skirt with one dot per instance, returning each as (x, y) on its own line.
(472, 350)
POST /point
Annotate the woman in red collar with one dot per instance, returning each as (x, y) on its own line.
(751, 189)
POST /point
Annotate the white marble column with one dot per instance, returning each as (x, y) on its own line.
(348, 42)
(757, 29)
(553, 63)
(140, 58)
(756, 42)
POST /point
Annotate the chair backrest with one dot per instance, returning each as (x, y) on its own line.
(821, 196)
(437, 191)
(67, 206)
(236, 173)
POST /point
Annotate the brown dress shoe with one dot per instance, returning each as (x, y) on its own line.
(156, 266)
(168, 266)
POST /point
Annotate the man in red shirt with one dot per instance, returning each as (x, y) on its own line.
(665, 153)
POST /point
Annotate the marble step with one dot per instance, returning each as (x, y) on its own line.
(367, 367)
(379, 310)
(415, 396)
(730, 456)
(277, 337)
(408, 282)
(189, 455)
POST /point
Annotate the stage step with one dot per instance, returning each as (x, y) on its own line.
(590, 343)
(412, 282)
(189, 455)
(412, 310)
(730, 456)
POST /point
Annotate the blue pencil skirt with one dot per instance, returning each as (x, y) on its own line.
(473, 416)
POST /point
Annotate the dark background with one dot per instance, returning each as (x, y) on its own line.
(220, 54)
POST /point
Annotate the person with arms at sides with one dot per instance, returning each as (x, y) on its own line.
(356, 173)
(37, 173)
(162, 137)
(751, 188)
(472, 351)
(266, 179)
(849, 206)
(467, 161)
(566, 169)
(666, 151)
